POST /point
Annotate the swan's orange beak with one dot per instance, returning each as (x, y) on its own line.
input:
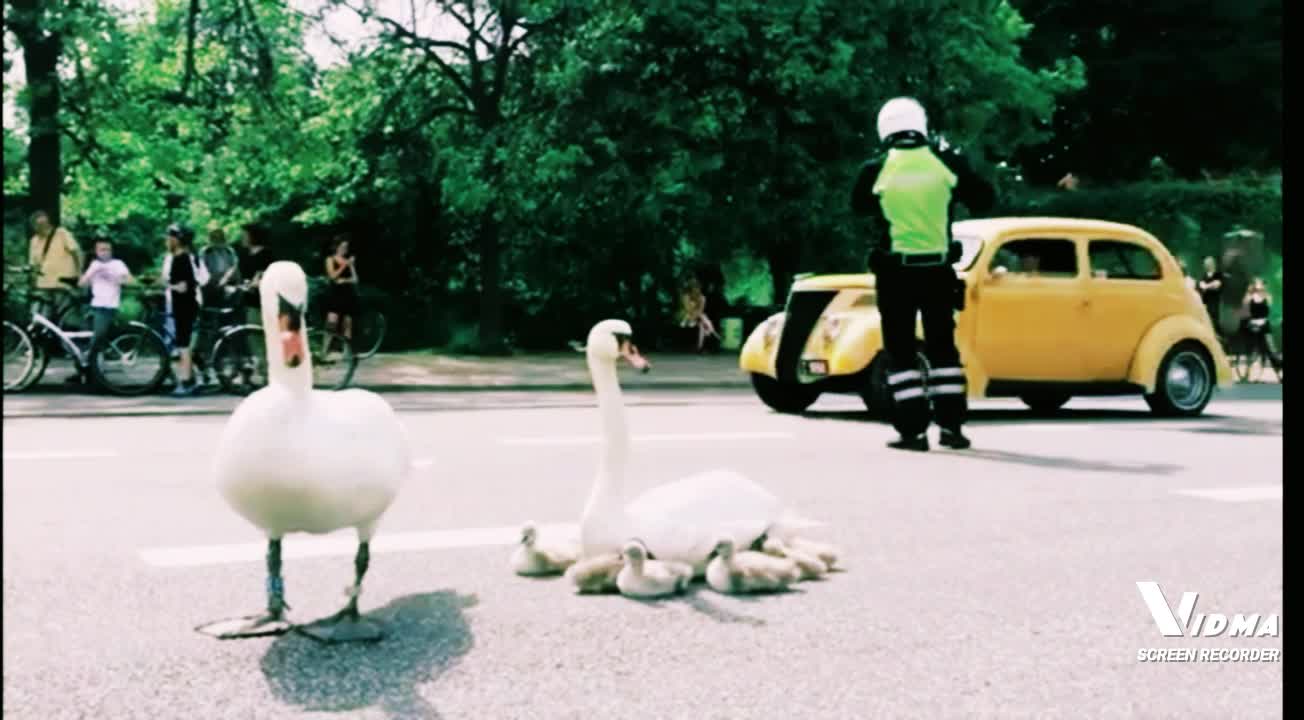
(292, 348)
(631, 354)
(291, 339)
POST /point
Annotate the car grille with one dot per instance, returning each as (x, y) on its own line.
(802, 312)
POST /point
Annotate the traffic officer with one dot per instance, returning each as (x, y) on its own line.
(913, 189)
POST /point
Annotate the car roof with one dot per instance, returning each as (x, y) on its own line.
(992, 227)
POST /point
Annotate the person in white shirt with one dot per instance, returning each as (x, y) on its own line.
(105, 276)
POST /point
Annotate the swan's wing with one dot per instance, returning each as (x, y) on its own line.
(682, 520)
(721, 500)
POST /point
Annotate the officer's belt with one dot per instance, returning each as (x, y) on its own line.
(923, 259)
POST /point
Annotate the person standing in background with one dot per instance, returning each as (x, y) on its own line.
(53, 251)
(1211, 288)
(182, 301)
(105, 276)
(342, 296)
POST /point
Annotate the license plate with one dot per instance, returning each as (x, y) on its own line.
(817, 367)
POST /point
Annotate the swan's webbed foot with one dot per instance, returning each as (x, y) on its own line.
(246, 627)
(347, 625)
(344, 626)
(272, 622)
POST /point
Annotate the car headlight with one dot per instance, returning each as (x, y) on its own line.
(772, 327)
(833, 327)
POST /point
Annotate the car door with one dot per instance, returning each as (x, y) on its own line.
(1128, 293)
(1030, 303)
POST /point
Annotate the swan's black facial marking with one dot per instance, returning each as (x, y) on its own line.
(292, 313)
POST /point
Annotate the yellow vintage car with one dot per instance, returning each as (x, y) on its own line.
(1054, 308)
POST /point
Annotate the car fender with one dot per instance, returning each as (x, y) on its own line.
(756, 356)
(857, 345)
(1162, 336)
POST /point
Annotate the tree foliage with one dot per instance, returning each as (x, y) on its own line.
(526, 167)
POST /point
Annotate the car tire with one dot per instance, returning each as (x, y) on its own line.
(878, 397)
(1045, 403)
(1186, 382)
(786, 398)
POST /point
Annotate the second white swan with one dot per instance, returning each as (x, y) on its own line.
(681, 520)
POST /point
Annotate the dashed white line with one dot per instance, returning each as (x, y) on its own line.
(60, 455)
(655, 437)
(1240, 494)
(344, 543)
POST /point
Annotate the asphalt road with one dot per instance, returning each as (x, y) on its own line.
(998, 582)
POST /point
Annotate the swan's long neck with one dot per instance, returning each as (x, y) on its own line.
(608, 490)
(297, 380)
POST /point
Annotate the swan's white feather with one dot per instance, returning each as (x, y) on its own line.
(682, 520)
(312, 463)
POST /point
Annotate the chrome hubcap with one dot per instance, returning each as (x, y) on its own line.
(1187, 381)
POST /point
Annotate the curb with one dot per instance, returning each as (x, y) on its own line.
(186, 408)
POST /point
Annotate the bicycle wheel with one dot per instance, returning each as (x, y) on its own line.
(20, 358)
(368, 333)
(132, 361)
(333, 360)
(240, 359)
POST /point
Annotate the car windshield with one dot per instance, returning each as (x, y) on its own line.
(972, 245)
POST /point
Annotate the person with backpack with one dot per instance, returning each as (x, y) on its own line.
(222, 265)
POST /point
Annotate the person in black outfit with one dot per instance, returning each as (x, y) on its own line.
(912, 190)
(253, 258)
(1211, 288)
(1257, 306)
(183, 299)
(341, 301)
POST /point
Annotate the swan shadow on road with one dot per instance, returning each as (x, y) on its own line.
(426, 634)
(698, 597)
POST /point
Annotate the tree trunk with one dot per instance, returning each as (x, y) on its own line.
(44, 160)
(491, 292)
(782, 267)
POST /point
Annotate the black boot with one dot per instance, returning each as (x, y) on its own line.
(918, 443)
(953, 439)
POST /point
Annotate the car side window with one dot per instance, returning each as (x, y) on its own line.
(1037, 257)
(1118, 260)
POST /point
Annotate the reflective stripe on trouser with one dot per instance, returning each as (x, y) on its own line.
(948, 391)
(910, 413)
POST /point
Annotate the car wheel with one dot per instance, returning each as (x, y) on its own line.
(878, 397)
(1185, 384)
(783, 397)
(1045, 402)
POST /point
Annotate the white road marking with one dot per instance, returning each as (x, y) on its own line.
(1240, 494)
(657, 437)
(344, 543)
(60, 455)
(417, 464)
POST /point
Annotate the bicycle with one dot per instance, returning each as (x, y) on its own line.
(210, 327)
(239, 356)
(121, 364)
(368, 327)
(1254, 352)
(243, 351)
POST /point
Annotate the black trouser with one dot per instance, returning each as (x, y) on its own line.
(905, 293)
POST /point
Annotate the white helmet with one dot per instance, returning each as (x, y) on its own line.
(900, 115)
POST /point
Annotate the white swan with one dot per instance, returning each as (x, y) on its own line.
(680, 520)
(293, 459)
